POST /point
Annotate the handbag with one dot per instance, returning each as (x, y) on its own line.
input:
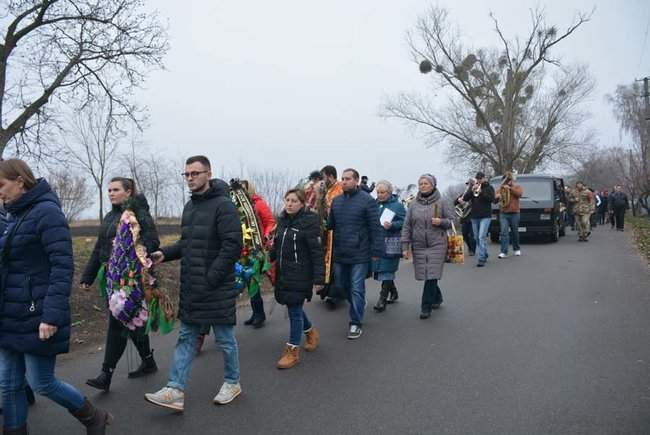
(393, 246)
(455, 242)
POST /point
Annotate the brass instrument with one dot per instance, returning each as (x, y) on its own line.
(504, 193)
(476, 189)
(463, 210)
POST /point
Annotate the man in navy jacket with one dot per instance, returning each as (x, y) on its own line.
(354, 217)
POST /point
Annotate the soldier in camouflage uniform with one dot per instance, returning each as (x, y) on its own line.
(583, 207)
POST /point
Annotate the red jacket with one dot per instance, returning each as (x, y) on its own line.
(264, 214)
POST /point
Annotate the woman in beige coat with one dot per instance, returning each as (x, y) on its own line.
(425, 235)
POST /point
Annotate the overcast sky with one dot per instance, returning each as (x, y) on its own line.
(299, 84)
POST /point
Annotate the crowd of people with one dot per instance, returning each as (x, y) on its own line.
(331, 236)
(588, 207)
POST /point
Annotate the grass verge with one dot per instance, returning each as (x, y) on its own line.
(641, 228)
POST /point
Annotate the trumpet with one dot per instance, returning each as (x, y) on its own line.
(476, 189)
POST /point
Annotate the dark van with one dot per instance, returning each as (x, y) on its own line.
(543, 205)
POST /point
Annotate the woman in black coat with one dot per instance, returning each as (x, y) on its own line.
(298, 253)
(122, 193)
(36, 276)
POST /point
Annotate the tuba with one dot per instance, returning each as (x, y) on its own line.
(505, 193)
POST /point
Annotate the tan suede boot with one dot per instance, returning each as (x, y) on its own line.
(290, 357)
(312, 338)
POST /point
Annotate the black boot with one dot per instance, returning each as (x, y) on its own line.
(19, 431)
(95, 419)
(147, 366)
(383, 295)
(250, 320)
(393, 296)
(103, 381)
(257, 304)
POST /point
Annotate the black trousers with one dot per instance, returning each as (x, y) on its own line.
(619, 217)
(468, 235)
(116, 339)
(431, 294)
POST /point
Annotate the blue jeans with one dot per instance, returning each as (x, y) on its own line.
(298, 322)
(39, 370)
(509, 223)
(353, 278)
(481, 227)
(185, 351)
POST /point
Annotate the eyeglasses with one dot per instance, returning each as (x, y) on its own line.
(193, 174)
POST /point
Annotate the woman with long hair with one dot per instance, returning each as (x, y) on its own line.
(122, 194)
(36, 276)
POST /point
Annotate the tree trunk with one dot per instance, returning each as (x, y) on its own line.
(101, 206)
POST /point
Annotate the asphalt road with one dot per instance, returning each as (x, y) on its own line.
(553, 342)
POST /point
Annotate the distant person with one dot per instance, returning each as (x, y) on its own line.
(571, 220)
(354, 218)
(312, 190)
(210, 244)
(393, 213)
(619, 204)
(332, 188)
(364, 185)
(583, 207)
(267, 222)
(425, 236)
(298, 253)
(122, 194)
(481, 196)
(37, 270)
(602, 209)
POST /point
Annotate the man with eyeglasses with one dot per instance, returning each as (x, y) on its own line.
(210, 244)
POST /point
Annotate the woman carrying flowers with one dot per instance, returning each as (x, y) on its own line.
(122, 271)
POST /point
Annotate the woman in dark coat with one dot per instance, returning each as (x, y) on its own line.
(384, 269)
(122, 194)
(425, 234)
(298, 253)
(36, 277)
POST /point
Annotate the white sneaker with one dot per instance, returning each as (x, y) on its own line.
(227, 393)
(517, 253)
(355, 332)
(167, 397)
(502, 255)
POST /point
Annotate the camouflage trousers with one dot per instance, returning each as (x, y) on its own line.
(583, 225)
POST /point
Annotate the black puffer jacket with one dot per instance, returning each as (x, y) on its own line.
(210, 244)
(108, 230)
(481, 204)
(298, 253)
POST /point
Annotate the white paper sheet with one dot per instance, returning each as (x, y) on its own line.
(386, 216)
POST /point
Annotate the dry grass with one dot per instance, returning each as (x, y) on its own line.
(641, 226)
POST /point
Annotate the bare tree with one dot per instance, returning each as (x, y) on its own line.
(155, 176)
(73, 192)
(629, 110)
(503, 108)
(272, 184)
(66, 53)
(96, 139)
